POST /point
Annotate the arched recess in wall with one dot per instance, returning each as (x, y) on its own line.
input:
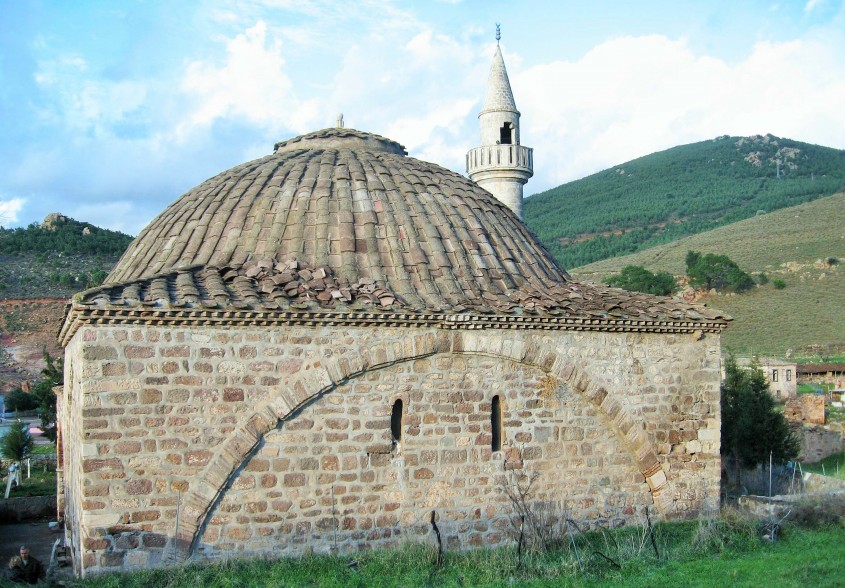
(305, 390)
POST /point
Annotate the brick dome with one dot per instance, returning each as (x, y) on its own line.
(356, 206)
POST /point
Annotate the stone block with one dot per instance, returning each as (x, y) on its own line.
(197, 457)
(136, 487)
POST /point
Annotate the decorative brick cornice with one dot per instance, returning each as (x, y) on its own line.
(79, 316)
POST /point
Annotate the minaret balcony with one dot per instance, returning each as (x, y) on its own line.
(501, 157)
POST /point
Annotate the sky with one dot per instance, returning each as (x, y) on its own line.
(109, 110)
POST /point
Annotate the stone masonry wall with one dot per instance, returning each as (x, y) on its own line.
(818, 442)
(163, 427)
(331, 478)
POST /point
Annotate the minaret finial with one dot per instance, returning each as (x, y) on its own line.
(340, 121)
(498, 33)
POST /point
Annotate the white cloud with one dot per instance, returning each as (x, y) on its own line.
(251, 84)
(432, 136)
(635, 95)
(80, 102)
(9, 210)
(812, 5)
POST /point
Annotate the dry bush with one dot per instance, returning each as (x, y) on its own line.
(819, 512)
(730, 529)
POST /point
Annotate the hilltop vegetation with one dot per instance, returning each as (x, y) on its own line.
(57, 258)
(802, 246)
(59, 234)
(678, 192)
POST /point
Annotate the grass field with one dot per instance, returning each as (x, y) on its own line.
(785, 245)
(832, 465)
(725, 551)
(40, 484)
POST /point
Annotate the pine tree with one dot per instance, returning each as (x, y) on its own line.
(16, 444)
(751, 427)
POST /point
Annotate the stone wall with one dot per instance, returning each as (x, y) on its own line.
(805, 408)
(819, 442)
(26, 508)
(311, 484)
(183, 441)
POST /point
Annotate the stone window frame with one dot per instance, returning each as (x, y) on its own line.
(788, 375)
(774, 375)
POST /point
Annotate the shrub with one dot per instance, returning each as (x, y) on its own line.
(832, 260)
(779, 284)
(638, 279)
(763, 279)
(716, 271)
(96, 278)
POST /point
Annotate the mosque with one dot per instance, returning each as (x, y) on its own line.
(330, 347)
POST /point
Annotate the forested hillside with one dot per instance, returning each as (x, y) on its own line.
(56, 258)
(681, 191)
(61, 234)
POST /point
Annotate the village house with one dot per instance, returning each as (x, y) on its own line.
(781, 375)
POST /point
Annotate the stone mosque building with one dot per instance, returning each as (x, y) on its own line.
(327, 348)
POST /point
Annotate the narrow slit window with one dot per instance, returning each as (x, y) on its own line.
(396, 421)
(496, 424)
(774, 375)
(788, 375)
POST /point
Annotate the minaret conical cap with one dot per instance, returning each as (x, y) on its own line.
(499, 95)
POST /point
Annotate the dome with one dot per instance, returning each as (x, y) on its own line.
(340, 227)
(356, 207)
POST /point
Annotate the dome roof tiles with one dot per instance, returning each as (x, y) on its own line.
(342, 223)
(348, 201)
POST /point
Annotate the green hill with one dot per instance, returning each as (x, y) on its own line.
(56, 258)
(795, 245)
(678, 192)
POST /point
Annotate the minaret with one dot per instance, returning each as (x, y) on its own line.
(501, 165)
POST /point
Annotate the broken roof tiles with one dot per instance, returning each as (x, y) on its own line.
(283, 284)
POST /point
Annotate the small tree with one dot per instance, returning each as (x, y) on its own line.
(638, 279)
(751, 427)
(18, 400)
(43, 392)
(716, 271)
(17, 442)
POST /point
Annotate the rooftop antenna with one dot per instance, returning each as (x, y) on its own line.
(340, 120)
(498, 33)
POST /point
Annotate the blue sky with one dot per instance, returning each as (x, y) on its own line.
(110, 110)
